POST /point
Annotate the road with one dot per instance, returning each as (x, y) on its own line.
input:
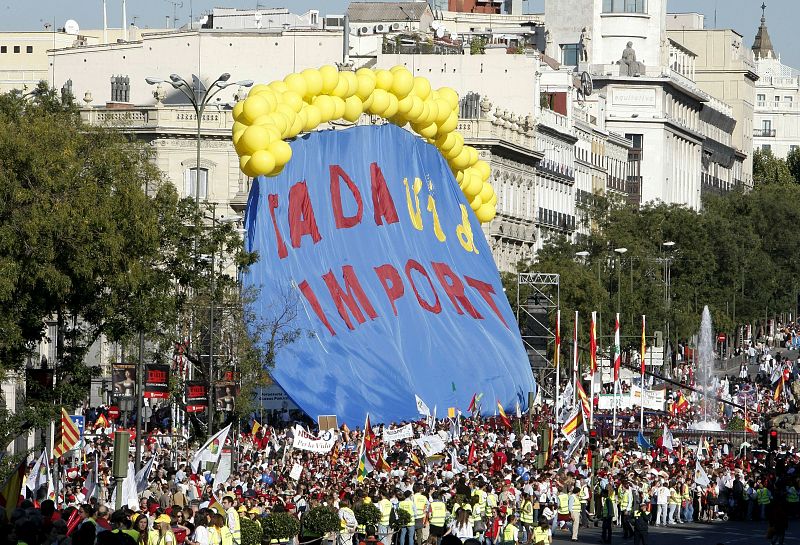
(718, 533)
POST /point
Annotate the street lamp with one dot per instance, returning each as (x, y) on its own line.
(619, 252)
(584, 254)
(667, 246)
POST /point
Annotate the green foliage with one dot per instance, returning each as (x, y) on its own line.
(477, 46)
(251, 532)
(320, 520)
(768, 169)
(735, 424)
(402, 520)
(367, 513)
(280, 526)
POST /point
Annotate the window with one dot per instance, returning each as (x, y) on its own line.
(766, 147)
(767, 125)
(569, 54)
(16, 49)
(28, 49)
(3, 49)
(624, 6)
(793, 148)
(788, 100)
(190, 182)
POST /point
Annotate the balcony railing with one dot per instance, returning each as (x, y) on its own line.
(764, 133)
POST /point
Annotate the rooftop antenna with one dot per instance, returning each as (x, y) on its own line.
(105, 23)
(175, 6)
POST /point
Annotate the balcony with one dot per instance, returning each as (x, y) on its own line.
(763, 133)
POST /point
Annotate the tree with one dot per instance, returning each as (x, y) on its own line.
(793, 163)
(768, 169)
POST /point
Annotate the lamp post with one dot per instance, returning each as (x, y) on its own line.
(619, 252)
(667, 247)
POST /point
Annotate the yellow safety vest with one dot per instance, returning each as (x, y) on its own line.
(576, 503)
(438, 513)
(685, 495)
(563, 504)
(227, 536)
(477, 513)
(408, 506)
(155, 537)
(236, 531)
(791, 495)
(213, 535)
(386, 511)
(763, 496)
(585, 495)
(420, 502)
(342, 521)
(674, 497)
(526, 513)
(539, 535)
(508, 533)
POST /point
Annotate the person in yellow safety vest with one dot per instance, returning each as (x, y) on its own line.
(161, 534)
(385, 507)
(407, 531)
(687, 506)
(606, 511)
(542, 534)
(563, 510)
(347, 523)
(764, 498)
(225, 536)
(476, 518)
(510, 535)
(612, 494)
(491, 499)
(438, 515)
(673, 504)
(234, 524)
(584, 497)
(526, 515)
(420, 516)
(625, 499)
(792, 498)
(478, 491)
(574, 503)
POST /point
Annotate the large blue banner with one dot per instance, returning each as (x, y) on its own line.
(367, 236)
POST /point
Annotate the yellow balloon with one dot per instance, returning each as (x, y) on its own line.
(403, 82)
(313, 82)
(423, 116)
(274, 133)
(450, 124)
(263, 120)
(493, 200)
(286, 110)
(281, 151)
(380, 101)
(254, 107)
(353, 108)
(277, 170)
(482, 167)
(459, 177)
(399, 120)
(428, 131)
(384, 79)
(474, 186)
(458, 145)
(238, 127)
(433, 111)
(254, 139)
(473, 155)
(338, 107)
(244, 166)
(417, 105)
(258, 89)
(330, 78)
(313, 118)
(422, 87)
(404, 105)
(296, 83)
(278, 87)
(486, 192)
(443, 110)
(461, 160)
(237, 110)
(326, 107)
(368, 101)
(366, 85)
(366, 72)
(485, 213)
(341, 87)
(391, 109)
(297, 126)
(476, 204)
(445, 141)
(261, 162)
(352, 83)
(280, 121)
(294, 100)
(450, 95)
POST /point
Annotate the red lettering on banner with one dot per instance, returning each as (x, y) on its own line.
(311, 297)
(158, 377)
(342, 221)
(486, 291)
(353, 291)
(454, 289)
(273, 205)
(412, 265)
(382, 202)
(301, 215)
(391, 282)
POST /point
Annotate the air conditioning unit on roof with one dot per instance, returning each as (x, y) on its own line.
(381, 28)
(364, 30)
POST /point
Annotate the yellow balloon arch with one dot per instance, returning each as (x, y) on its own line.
(302, 101)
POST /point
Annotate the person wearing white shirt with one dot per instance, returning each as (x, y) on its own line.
(461, 527)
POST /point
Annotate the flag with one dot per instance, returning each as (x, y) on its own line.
(593, 344)
(642, 442)
(101, 422)
(256, 427)
(615, 458)
(666, 440)
(381, 464)
(776, 375)
(457, 466)
(584, 402)
(472, 404)
(778, 390)
(575, 350)
(519, 411)
(681, 404)
(573, 425)
(421, 407)
(503, 416)
(369, 435)
(143, 476)
(700, 475)
(415, 460)
(557, 353)
(617, 350)
(748, 426)
(38, 476)
(211, 450)
(216, 505)
(335, 453)
(644, 345)
(472, 457)
(73, 521)
(67, 435)
(574, 447)
(9, 493)
(364, 465)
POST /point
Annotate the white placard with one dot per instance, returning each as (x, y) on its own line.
(305, 441)
(296, 471)
(406, 432)
(430, 444)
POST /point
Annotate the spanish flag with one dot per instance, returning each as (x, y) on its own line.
(778, 389)
(256, 427)
(101, 422)
(681, 404)
(503, 416)
(584, 402)
(415, 460)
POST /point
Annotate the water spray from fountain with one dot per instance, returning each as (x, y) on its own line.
(705, 373)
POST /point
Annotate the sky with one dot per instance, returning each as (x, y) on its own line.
(741, 15)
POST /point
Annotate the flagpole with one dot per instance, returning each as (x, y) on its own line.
(557, 356)
(641, 365)
(614, 416)
(592, 366)
(617, 354)
(575, 361)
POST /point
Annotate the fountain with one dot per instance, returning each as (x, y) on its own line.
(705, 374)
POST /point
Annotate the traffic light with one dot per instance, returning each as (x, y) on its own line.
(773, 440)
(763, 439)
(593, 439)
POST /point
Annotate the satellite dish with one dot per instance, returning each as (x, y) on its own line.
(71, 27)
(439, 32)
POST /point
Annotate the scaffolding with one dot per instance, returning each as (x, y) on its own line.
(536, 312)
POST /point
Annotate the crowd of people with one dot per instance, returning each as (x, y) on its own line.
(492, 483)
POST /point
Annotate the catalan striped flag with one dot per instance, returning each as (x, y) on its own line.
(778, 389)
(584, 402)
(503, 416)
(593, 344)
(67, 435)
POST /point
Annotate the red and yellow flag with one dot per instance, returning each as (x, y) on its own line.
(584, 401)
(67, 435)
(503, 416)
(593, 343)
(778, 389)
